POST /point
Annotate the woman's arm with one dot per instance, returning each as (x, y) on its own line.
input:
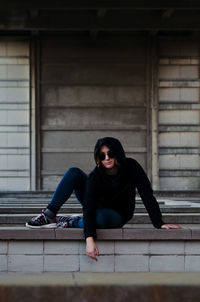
(145, 190)
(89, 214)
(89, 208)
(92, 250)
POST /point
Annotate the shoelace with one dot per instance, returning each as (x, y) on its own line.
(41, 215)
(63, 219)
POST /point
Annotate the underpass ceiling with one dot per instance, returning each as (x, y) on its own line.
(100, 16)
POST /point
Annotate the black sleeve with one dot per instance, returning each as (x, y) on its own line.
(146, 193)
(89, 208)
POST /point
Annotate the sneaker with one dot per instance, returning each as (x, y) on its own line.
(66, 221)
(42, 221)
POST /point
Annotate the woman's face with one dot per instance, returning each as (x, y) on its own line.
(108, 162)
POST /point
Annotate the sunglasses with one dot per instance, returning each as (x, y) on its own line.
(110, 154)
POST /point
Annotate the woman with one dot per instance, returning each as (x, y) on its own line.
(107, 195)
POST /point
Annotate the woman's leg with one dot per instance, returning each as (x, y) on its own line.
(108, 219)
(105, 219)
(73, 180)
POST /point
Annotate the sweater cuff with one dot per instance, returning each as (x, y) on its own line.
(159, 225)
(94, 235)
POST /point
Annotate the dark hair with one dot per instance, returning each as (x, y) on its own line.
(114, 145)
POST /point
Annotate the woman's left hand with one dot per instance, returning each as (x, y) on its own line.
(170, 226)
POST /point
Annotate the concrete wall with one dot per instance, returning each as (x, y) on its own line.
(90, 88)
(84, 88)
(179, 114)
(14, 115)
(115, 256)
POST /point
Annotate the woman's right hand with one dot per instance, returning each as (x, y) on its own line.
(91, 248)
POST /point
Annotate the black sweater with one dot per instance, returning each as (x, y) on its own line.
(118, 193)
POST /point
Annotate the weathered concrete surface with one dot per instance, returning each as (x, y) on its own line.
(88, 287)
(178, 121)
(14, 115)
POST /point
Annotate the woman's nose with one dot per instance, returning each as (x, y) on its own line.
(107, 156)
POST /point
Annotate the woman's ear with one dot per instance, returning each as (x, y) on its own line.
(98, 163)
(117, 163)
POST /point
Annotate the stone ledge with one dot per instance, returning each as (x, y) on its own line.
(97, 279)
(99, 287)
(127, 233)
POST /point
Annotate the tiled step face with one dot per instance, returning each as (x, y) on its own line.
(121, 250)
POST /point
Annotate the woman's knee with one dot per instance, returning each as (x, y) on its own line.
(101, 220)
(74, 172)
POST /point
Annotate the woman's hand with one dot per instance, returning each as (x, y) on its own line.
(91, 248)
(170, 226)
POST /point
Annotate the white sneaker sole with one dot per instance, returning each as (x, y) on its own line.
(45, 226)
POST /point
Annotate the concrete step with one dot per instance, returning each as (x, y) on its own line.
(173, 218)
(25, 194)
(165, 193)
(30, 200)
(178, 194)
(76, 208)
(99, 287)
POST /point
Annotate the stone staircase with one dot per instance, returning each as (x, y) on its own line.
(137, 247)
(18, 207)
